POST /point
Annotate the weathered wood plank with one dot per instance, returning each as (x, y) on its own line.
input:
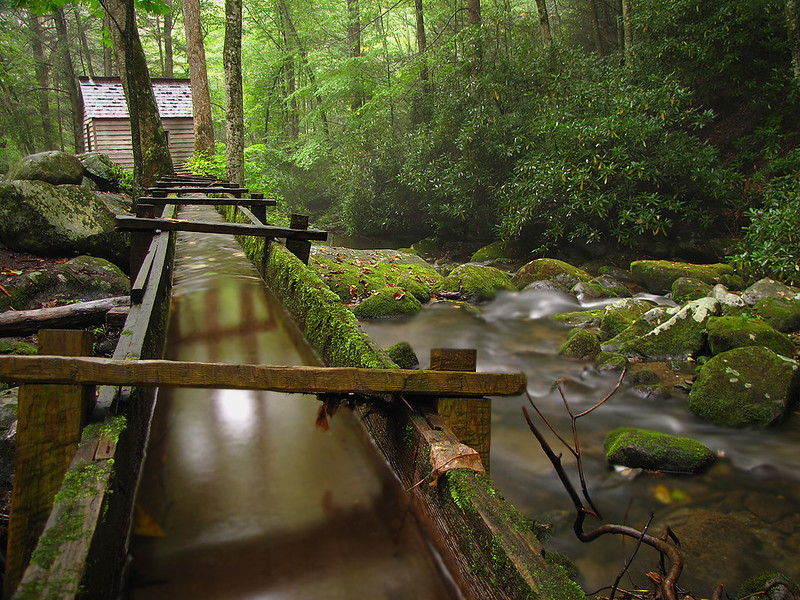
(206, 201)
(72, 316)
(301, 379)
(203, 189)
(128, 223)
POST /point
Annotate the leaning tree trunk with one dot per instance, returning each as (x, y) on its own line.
(71, 81)
(198, 73)
(234, 104)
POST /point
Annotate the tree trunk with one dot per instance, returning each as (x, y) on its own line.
(544, 23)
(72, 316)
(354, 39)
(201, 97)
(48, 132)
(627, 30)
(108, 59)
(598, 38)
(169, 63)
(793, 31)
(234, 107)
(146, 129)
(70, 80)
(84, 42)
(473, 12)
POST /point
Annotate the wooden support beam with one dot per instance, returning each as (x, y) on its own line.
(199, 189)
(300, 248)
(251, 216)
(127, 223)
(260, 210)
(469, 418)
(49, 427)
(140, 240)
(207, 201)
(310, 380)
(71, 316)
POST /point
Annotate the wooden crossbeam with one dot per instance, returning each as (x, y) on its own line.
(206, 201)
(200, 189)
(311, 380)
(129, 223)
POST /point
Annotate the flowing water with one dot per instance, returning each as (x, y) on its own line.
(738, 519)
(242, 496)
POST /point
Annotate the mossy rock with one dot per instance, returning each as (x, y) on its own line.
(621, 314)
(53, 166)
(727, 333)
(657, 276)
(685, 289)
(745, 387)
(475, 282)
(499, 250)
(388, 302)
(543, 269)
(600, 287)
(403, 354)
(681, 336)
(17, 298)
(14, 346)
(610, 361)
(769, 585)
(768, 288)
(580, 318)
(781, 313)
(732, 304)
(580, 344)
(656, 451)
(644, 324)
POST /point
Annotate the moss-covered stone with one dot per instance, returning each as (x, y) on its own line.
(389, 302)
(732, 304)
(769, 585)
(644, 324)
(727, 333)
(603, 286)
(475, 282)
(657, 276)
(53, 166)
(495, 251)
(686, 288)
(580, 344)
(14, 346)
(681, 336)
(403, 354)
(16, 299)
(781, 313)
(543, 269)
(621, 314)
(581, 318)
(768, 288)
(745, 387)
(610, 361)
(655, 451)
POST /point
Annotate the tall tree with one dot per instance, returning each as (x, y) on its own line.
(198, 73)
(627, 31)
(793, 30)
(146, 129)
(544, 23)
(42, 76)
(473, 12)
(87, 56)
(169, 63)
(70, 79)
(354, 39)
(234, 103)
(598, 36)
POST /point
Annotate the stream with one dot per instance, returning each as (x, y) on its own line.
(242, 496)
(736, 520)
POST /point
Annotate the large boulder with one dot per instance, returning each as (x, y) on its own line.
(745, 387)
(679, 337)
(687, 288)
(549, 269)
(60, 220)
(644, 324)
(53, 167)
(603, 286)
(781, 313)
(732, 304)
(476, 283)
(621, 314)
(768, 288)
(100, 170)
(388, 302)
(580, 344)
(655, 451)
(657, 276)
(727, 333)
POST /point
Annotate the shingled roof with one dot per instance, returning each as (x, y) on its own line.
(103, 98)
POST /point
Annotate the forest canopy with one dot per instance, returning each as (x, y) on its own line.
(580, 123)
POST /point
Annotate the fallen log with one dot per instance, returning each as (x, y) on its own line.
(71, 316)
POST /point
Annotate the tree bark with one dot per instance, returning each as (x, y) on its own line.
(198, 73)
(354, 38)
(70, 80)
(48, 132)
(544, 23)
(627, 30)
(169, 63)
(108, 59)
(473, 12)
(793, 31)
(234, 104)
(72, 316)
(598, 38)
(84, 42)
(146, 129)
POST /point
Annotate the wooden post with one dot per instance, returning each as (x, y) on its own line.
(259, 211)
(300, 248)
(140, 240)
(49, 423)
(469, 418)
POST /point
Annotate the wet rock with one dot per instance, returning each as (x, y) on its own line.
(770, 585)
(498, 251)
(686, 288)
(100, 171)
(732, 304)
(657, 276)
(610, 361)
(679, 337)
(475, 282)
(745, 387)
(655, 451)
(619, 315)
(580, 344)
(603, 286)
(769, 508)
(580, 318)
(54, 167)
(388, 302)
(403, 354)
(781, 313)
(768, 288)
(8, 419)
(53, 220)
(644, 324)
(727, 333)
(543, 269)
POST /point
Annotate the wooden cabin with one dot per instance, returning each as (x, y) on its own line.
(106, 126)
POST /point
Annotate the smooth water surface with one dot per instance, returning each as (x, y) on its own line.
(734, 521)
(243, 497)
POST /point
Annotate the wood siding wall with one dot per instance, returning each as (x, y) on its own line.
(113, 137)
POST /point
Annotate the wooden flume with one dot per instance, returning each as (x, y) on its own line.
(296, 379)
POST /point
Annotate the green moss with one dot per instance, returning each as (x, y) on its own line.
(726, 333)
(388, 302)
(580, 344)
(475, 282)
(110, 428)
(657, 276)
(656, 451)
(403, 354)
(549, 269)
(687, 288)
(581, 318)
(780, 586)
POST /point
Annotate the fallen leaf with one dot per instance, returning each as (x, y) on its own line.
(399, 295)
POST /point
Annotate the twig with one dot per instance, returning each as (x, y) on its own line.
(631, 557)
